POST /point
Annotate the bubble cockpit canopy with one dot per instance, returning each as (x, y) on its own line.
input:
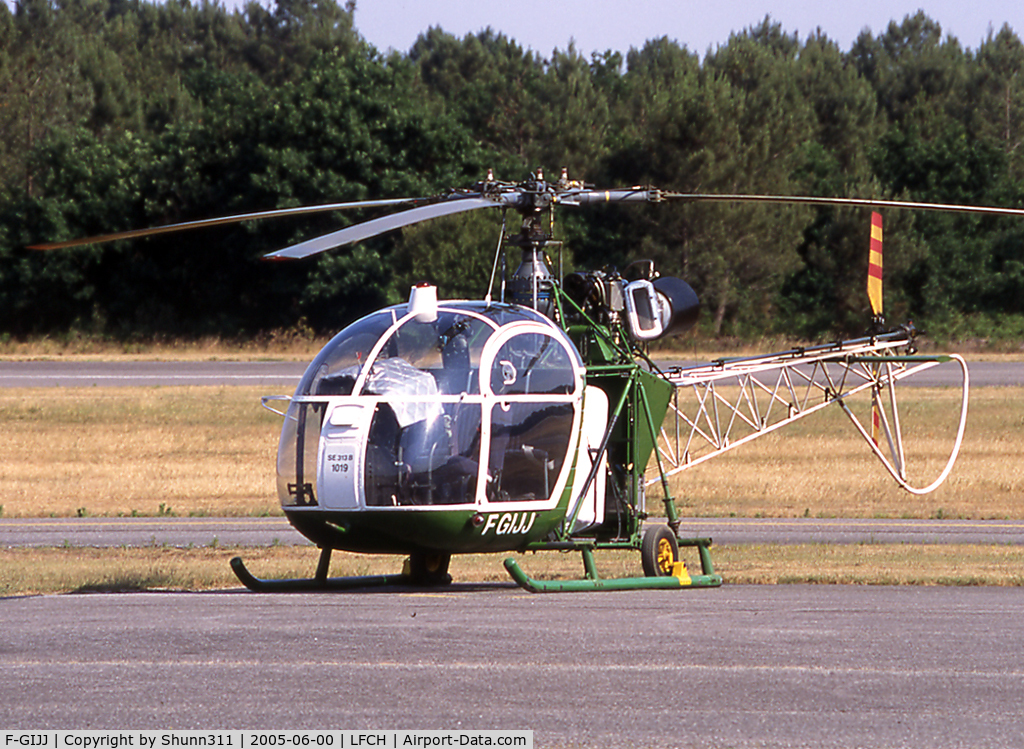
(464, 403)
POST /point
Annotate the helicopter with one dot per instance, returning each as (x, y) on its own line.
(535, 419)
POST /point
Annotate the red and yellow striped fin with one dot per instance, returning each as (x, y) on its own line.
(875, 297)
(875, 265)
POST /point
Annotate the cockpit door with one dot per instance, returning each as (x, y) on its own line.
(595, 422)
(531, 381)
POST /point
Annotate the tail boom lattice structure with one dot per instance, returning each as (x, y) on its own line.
(739, 400)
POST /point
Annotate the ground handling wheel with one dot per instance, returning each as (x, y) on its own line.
(428, 569)
(659, 551)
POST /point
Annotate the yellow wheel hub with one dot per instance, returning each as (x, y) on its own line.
(666, 558)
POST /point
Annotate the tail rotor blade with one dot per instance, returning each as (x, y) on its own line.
(875, 298)
(875, 265)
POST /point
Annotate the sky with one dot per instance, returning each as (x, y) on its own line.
(598, 25)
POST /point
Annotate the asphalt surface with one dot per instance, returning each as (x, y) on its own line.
(148, 531)
(285, 375)
(189, 532)
(741, 666)
(149, 373)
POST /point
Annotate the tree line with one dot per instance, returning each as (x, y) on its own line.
(123, 114)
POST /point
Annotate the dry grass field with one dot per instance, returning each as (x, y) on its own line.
(64, 570)
(821, 467)
(211, 450)
(145, 451)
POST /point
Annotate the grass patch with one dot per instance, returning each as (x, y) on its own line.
(70, 569)
(83, 570)
(872, 564)
(137, 451)
(210, 451)
(820, 467)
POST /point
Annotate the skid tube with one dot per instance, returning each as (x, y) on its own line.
(318, 583)
(679, 578)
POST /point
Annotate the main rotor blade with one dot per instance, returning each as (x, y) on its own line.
(856, 202)
(654, 195)
(187, 225)
(381, 225)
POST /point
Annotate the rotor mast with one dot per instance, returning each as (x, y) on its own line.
(532, 284)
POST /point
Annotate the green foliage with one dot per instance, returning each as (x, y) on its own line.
(455, 253)
(122, 114)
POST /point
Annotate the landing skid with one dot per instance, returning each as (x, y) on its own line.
(318, 583)
(678, 578)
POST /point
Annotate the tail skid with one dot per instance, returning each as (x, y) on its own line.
(893, 433)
